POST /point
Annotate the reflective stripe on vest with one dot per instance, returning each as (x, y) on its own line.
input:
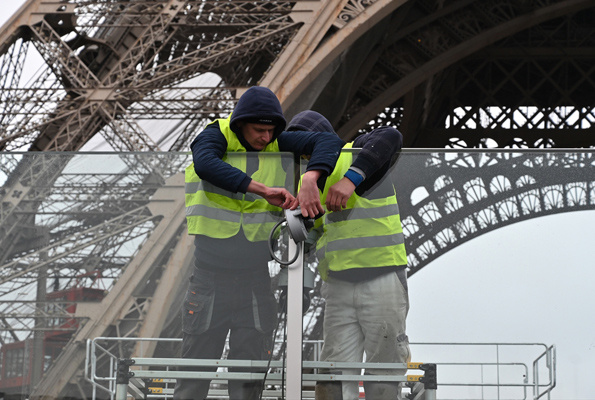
(366, 234)
(219, 213)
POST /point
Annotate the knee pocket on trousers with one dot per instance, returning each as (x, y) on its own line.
(198, 307)
(264, 308)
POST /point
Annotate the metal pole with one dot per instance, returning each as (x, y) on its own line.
(498, 369)
(122, 378)
(39, 334)
(121, 389)
(430, 394)
(430, 381)
(295, 284)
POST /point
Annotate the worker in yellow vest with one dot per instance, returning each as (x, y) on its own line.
(362, 261)
(234, 197)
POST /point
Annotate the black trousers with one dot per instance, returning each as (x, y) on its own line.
(240, 303)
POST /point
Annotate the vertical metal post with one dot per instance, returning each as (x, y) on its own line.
(498, 368)
(430, 394)
(430, 381)
(122, 378)
(39, 332)
(295, 284)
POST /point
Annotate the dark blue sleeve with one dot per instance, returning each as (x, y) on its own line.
(378, 149)
(322, 147)
(208, 149)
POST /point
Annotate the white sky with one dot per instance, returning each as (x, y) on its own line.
(9, 7)
(532, 282)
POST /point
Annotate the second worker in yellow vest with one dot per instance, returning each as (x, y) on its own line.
(362, 260)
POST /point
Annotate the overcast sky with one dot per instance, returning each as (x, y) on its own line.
(531, 282)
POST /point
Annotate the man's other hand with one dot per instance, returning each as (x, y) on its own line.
(275, 196)
(309, 195)
(280, 197)
(338, 194)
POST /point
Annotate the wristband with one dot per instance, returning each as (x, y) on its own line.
(354, 177)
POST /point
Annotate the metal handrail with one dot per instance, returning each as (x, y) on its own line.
(540, 388)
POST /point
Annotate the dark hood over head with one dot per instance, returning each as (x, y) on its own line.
(310, 121)
(258, 105)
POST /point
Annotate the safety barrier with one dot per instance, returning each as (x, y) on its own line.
(154, 378)
(142, 383)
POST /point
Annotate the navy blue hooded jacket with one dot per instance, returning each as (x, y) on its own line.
(378, 148)
(256, 105)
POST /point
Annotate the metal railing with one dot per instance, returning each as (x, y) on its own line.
(493, 370)
(131, 381)
(467, 371)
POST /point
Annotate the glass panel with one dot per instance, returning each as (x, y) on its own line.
(83, 234)
(445, 199)
(73, 224)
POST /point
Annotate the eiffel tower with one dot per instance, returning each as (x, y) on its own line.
(142, 77)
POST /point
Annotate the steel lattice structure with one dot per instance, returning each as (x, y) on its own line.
(465, 195)
(146, 75)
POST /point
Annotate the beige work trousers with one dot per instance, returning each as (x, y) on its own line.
(366, 318)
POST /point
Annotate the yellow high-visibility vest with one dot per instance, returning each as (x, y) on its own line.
(219, 213)
(367, 233)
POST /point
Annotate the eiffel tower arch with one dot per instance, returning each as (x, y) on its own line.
(146, 76)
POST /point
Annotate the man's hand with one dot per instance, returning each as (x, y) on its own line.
(309, 195)
(280, 197)
(338, 194)
(275, 196)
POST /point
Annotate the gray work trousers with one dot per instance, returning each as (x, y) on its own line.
(238, 303)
